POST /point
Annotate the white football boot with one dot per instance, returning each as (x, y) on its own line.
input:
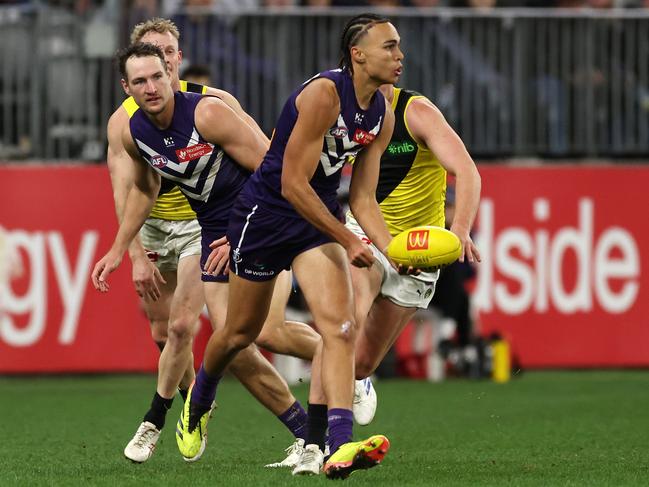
(364, 405)
(310, 463)
(142, 445)
(293, 454)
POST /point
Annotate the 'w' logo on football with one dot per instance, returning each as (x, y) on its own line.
(418, 240)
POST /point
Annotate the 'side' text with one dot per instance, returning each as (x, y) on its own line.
(532, 260)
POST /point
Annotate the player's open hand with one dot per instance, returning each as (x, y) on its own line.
(147, 278)
(469, 250)
(103, 268)
(360, 254)
(219, 258)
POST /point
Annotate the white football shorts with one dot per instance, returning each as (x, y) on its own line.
(168, 241)
(404, 290)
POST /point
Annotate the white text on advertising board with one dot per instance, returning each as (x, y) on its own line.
(531, 260)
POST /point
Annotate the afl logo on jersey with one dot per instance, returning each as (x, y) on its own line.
(159, 161)
(338, 132)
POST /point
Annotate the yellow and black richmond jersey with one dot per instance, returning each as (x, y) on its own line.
(412, 183)
(171, 205)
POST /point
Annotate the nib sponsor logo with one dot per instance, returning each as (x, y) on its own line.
(401, 148)
(187, 154)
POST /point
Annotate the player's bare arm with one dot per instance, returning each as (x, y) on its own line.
(119, 166)
(428, 126)
(140, 200)
(362, 191)
(233, 103)
(318, 108)
(219, 124)
(146, 276)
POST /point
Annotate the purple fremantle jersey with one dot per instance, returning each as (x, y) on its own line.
(353, 130)
(207, 176)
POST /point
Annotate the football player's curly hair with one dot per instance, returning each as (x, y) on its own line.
(353, 32)
(161, 26)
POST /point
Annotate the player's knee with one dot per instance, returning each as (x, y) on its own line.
(238, 341)
(344, 331)
(181, 329)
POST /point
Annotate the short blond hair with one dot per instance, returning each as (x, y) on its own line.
(161, 26)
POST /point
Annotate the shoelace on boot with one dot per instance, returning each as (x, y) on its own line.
(144, 435)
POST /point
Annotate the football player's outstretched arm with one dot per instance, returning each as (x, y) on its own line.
(140, 200)
(145, 275)
(362, 190)
(318, 108)
(428, 126)
(220, 125)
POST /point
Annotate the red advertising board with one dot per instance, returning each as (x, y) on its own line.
(61, 220)
(565, 259)
(563, 252)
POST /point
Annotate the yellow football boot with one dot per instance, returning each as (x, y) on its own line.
(355, 456)
(191, 442)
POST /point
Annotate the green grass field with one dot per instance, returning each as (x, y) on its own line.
(544, 428)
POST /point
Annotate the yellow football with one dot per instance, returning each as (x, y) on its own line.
(425, 247)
